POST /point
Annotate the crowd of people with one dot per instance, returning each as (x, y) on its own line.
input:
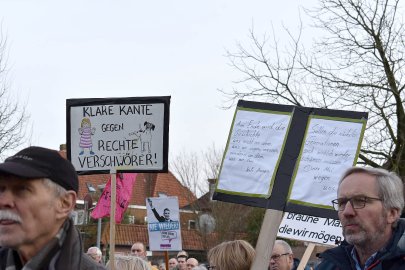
(38, 192)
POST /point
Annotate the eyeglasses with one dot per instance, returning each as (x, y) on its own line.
(357, 202)
(276, 257)
(211, 267)
(92, 255)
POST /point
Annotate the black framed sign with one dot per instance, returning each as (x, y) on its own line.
(288, 158)
(125, 134)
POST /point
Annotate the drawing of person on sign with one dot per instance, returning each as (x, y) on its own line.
(166, 213)
(86, 131)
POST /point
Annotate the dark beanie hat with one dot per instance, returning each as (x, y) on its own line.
(39, 162)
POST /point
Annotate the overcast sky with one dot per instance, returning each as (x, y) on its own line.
(99, 49)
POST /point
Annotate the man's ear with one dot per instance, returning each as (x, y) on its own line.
(66, 203)
(392, 215)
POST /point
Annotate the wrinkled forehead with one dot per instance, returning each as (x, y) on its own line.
(358, 183)
(137, 247)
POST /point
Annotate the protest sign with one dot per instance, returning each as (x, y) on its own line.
(288, 158)
(308, 152)
(128, 134)
(163, 224)
(325, 231)
(330, 147)
(255, 145)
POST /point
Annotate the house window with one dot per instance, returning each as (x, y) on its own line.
(191, 225)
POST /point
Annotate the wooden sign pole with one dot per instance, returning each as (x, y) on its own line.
(112, 217)
(167, 259)
(265, 242)
(305, 257)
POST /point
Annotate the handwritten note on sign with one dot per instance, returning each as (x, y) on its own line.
(330, 147)
(253, 151)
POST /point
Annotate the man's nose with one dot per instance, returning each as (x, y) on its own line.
(6, 198)
(348, 210)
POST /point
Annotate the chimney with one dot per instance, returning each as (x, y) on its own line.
(212, 182)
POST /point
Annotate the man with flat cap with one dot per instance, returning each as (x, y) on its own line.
(38, 190)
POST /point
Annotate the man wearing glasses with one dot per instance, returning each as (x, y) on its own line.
(369, 203)
(95, 254)
(282, 257)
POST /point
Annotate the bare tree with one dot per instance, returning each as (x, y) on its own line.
(194, 170)
(188, 168)
(13, 118)
(358, 64)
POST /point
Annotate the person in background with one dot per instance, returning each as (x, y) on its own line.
(182, 262)
(182, 253)
(282, 257)
(129, 263)
(162, 266)
(172, 263)
(138, 250)
(369, 204)
(231, 255)
(38, 192)
(95, 254)
(191, 263)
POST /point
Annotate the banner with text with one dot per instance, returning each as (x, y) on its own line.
(128, 134)
(164, 224)
(325, 231)
(253, 152)
(288, 158)
(330, 147)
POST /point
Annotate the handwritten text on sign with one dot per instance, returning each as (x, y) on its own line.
(254, 147)
(330, 148)
(122, 135)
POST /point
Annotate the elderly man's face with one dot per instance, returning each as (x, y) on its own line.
(93, 253)
(191, 263)
(370, 225)
(29, 213)
(138, 250)
(172, 263)
(280, 260)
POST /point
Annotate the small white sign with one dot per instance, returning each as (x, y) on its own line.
(164, 224)
(325, 231)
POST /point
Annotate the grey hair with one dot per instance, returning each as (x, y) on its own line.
(200, 267)
(58, 189)
(389, 185)
(124, 262)
(96, 249)
(285, 245)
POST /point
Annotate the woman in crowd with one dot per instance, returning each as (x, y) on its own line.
(231, 255)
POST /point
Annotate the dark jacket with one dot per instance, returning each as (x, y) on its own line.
(391, 257)
(70, 255)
